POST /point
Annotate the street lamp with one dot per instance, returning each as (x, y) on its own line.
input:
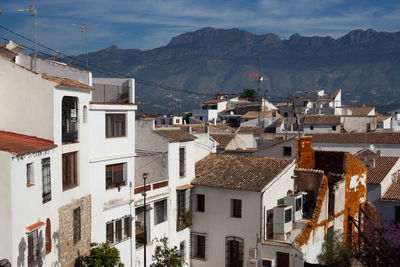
(144, 220)
(83, 28)
(33, 11)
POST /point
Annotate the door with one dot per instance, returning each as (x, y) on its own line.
(234, 257)
(282, 259)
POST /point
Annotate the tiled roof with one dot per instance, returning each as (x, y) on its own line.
(176, 135)
(357, 138)
(23, 144)
(240, 172)
(381, 118)
(336, 93)
(392, 194)
(383, 165)
(222, 139)
(66, 82)
(221, 128)
(255, 114)
(366, 153)
(251, 130)
(322, 120)
(214, 101)
(196, 119)
(360, 111)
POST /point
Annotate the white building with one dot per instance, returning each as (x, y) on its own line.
(167, 155)
(170, 120)
(322, 124)
(384, 122)
(209, 110)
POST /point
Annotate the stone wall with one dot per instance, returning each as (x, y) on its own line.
(70, 251)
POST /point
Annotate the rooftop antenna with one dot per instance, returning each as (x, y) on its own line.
(260, 79)
(83, 28)
(33, 11)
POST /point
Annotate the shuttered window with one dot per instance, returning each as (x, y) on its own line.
(33, 249)
(48, 236)
(69, 170)
(46, 180)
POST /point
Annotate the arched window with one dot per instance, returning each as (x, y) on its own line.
(233, 251)
(48, 236)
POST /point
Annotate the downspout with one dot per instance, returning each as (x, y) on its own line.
(260, 238)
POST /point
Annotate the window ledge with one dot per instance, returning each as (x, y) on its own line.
(198, 258)
(29, 185)
(69, 187)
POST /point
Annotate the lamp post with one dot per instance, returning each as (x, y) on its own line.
(83, 28)
(33, 11)
(144, 220)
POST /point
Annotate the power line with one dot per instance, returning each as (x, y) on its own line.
(107, 71)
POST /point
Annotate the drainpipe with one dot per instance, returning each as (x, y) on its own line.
(144, 219)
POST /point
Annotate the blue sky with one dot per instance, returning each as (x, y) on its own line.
(147, 24)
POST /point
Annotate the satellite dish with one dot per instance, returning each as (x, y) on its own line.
(371, 147)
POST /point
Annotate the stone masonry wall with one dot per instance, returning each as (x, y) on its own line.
(70, 252)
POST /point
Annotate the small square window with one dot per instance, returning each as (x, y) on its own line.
(115, 175)
(115, 125)
(311, 127)
(333, 127)
(287, 151)
(29, 175)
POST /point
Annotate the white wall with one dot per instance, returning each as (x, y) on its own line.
(392, 150)
(359, 123)
(5, 206)
(321, 129)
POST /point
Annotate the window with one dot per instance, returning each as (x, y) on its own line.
(160, 211)
(142, 234)
(287, 151)
(285, 114)
(110, 232)
(46, 180)
(182, 250)
(48, 236)
(115, 125)
(266, 263)
(118, 230)
(182, 208)
(236, 208)
(200, 203)
(199, 246)
(288, 215)
(128, 227)
(29, 174)
(181, 161)
(69, 170)
(77, 224)
(397, 214)
(333, 127)
(33, 248)
(177, 121)
(298, 204)
(69, 119)
(311, 127)
(115, 175)
(280, 201)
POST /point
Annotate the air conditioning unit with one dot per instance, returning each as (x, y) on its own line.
(252, 263)
(253, 253)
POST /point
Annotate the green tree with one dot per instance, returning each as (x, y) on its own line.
(334, 252)
(165, 256)
(102, 255)
(249, 94)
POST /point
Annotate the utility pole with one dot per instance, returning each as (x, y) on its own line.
(84, 29)
(145, 208)
(33, 11)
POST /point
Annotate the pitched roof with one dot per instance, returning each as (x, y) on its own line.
(255, 114)
(357, 138)
(383, 165)
(214, 101)
(381, 118)
(176, 135)
(336, 93)
(392, 194)
(221, 128)
(23, 144)
(360, 111)
(202, 128)
(240, 172)
(322, 120)
(222, 139)
(366, 152)
(66, 82)
(196, 119)
(251, 130)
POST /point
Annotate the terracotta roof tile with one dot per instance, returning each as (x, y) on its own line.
(196, 119)
(383, 165)
(34, 226)
(336, 93)
(357, 138)
(214, 101)
(222, 139)
(23, 144)
(392, 194)
(255, 114)
(322, 120)
(221, 128)
(366, 153)
(66, 82)
(360, 111)
(240, 172)
(176, 135)
(382, 118)
(251, 130)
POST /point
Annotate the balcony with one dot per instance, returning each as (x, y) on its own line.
(184, 220)
(69, 119)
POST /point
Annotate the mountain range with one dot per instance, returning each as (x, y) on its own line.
(365, 64)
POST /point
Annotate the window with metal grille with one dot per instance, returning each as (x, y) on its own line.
(110, 232)
(115, 125)
(233, 251)
(46, 180)
(160, 211)
(199, 246)
(115, 175)
(181, 161)
(118, 230)
(200, 203)
(48, 236)
(29, 174)
(33, 249)
(236, 208)
(128, 227)
(77, 224)
(69, 170)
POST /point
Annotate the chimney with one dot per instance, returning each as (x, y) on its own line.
(189, 129)
(305, 153)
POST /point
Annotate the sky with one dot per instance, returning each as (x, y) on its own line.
(147, 24)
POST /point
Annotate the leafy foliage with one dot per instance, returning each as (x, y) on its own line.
(334, 252)
(249, 94)
(102, 255)
(379, 243)
(165, 256)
